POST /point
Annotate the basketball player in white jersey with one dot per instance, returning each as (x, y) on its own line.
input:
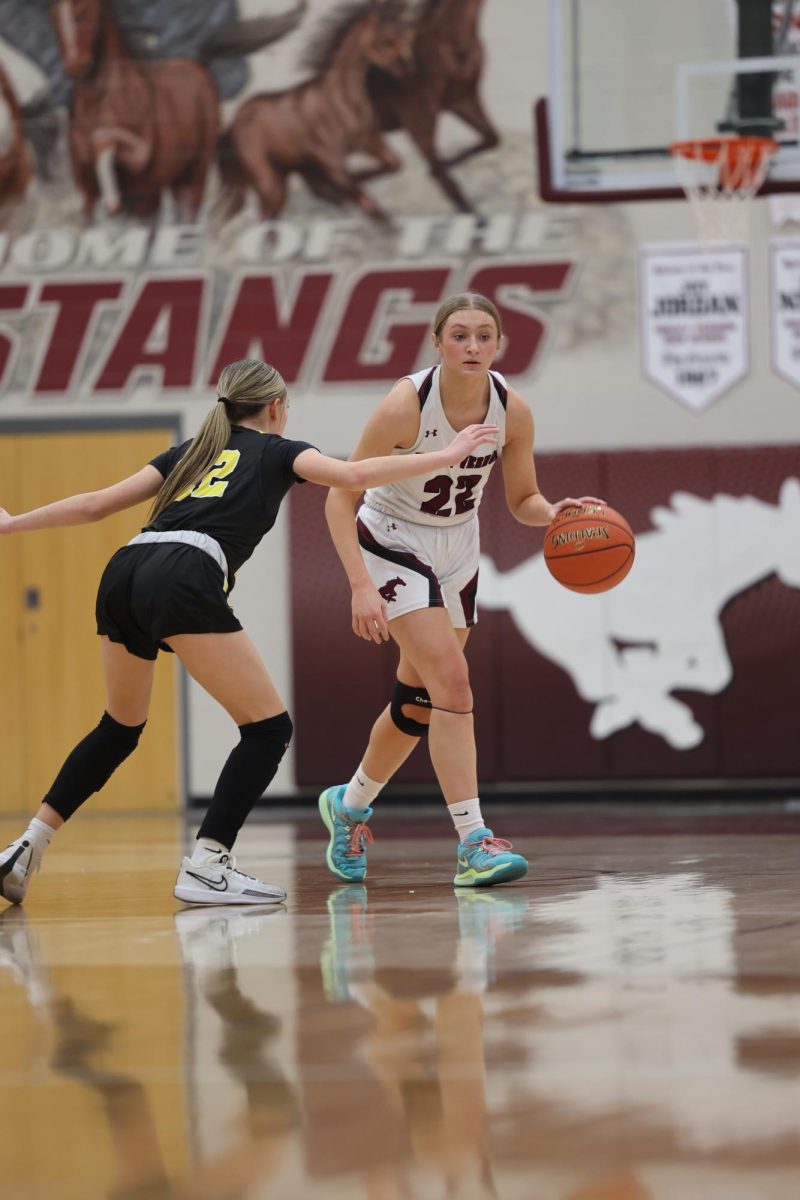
(411, 556)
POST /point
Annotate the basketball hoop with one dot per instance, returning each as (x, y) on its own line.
(720, 176)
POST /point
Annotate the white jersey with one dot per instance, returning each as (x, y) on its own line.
(451, 495)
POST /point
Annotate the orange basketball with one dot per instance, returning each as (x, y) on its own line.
(589, 548)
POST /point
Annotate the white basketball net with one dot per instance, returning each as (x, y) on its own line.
(720, 177)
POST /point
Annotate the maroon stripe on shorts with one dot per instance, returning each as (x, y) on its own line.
(467, 596)
(402, 559)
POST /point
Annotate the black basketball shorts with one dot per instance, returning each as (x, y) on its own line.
(150, 592)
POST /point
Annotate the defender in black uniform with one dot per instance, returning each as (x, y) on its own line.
(215, 498)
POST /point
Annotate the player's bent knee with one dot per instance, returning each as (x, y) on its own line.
(404, 694)
(459, 699)
(453, 695)
(275, 732)
(124, 738)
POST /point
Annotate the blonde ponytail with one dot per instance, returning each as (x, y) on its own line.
(244, 388)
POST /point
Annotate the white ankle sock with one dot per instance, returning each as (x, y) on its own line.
(466, 817)
(207, 849)
(39, 833)
(361, 790)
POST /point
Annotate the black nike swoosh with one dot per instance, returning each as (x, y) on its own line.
(360, 781)
(217, 885)
(464, 814)
(10, 863)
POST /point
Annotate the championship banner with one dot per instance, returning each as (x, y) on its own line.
(694, 320)
(785, 307)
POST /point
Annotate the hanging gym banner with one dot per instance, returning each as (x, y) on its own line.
(784, 260)
(693, 320)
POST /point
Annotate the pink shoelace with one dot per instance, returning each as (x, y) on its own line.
(359, 834)
(495, 845)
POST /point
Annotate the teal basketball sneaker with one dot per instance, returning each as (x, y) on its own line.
(484, 860)
(346, 855)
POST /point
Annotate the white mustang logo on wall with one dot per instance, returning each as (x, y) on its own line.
(666, 614)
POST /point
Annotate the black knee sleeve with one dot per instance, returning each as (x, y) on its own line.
(247, 774)
(92, 763)
(404, 694)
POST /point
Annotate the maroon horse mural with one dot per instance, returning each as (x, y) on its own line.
(311, 129)
(448, 65)
(136, 128)
(15, 159)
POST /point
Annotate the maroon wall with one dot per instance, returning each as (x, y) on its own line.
(531, 724)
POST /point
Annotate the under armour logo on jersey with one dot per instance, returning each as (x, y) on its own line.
(431, 432)
(389, 590)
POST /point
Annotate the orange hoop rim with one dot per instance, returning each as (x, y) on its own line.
(708, 150)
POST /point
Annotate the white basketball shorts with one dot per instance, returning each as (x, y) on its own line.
(421, 566)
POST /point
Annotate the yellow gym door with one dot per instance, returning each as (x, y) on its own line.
(52, 692)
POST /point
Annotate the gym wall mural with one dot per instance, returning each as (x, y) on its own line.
(181, 185)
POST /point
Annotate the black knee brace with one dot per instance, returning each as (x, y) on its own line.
(247, 774)
(404, 694)
(92, 763)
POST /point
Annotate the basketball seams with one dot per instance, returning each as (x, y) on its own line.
(586, 553)
(598, 585)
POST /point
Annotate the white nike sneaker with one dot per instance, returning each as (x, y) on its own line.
(218, 882)
(17, 863)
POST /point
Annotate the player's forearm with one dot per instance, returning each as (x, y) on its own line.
(393, 468)
(73, 510)
(533, 510)
(340, 515)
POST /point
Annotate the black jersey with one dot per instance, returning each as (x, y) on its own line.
(237, 500)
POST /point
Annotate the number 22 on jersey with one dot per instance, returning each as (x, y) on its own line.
(441, 486)
(214, 482)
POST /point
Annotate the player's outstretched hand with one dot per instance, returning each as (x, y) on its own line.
(5, 521)
(469, 439)
(571, 502)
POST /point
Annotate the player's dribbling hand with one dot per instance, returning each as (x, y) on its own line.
(369, 614)
(571, 502)
(468, 440)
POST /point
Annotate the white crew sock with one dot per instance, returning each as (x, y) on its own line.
(40, 833)
(207, 850)
(361, 790)
(466, 817)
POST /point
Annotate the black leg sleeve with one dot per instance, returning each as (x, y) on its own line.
(247, 774)
(91, 764)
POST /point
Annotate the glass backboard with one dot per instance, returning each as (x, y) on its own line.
(629, 77)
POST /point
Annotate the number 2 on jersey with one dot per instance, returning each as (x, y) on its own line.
(212, 484)
(441, 486)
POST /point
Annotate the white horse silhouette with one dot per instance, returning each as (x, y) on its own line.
(659, 631)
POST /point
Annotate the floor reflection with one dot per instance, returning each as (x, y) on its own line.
(411, 1046)
(207, 940)
(624, 1025)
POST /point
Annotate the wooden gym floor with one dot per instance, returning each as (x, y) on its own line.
(623, 1024)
